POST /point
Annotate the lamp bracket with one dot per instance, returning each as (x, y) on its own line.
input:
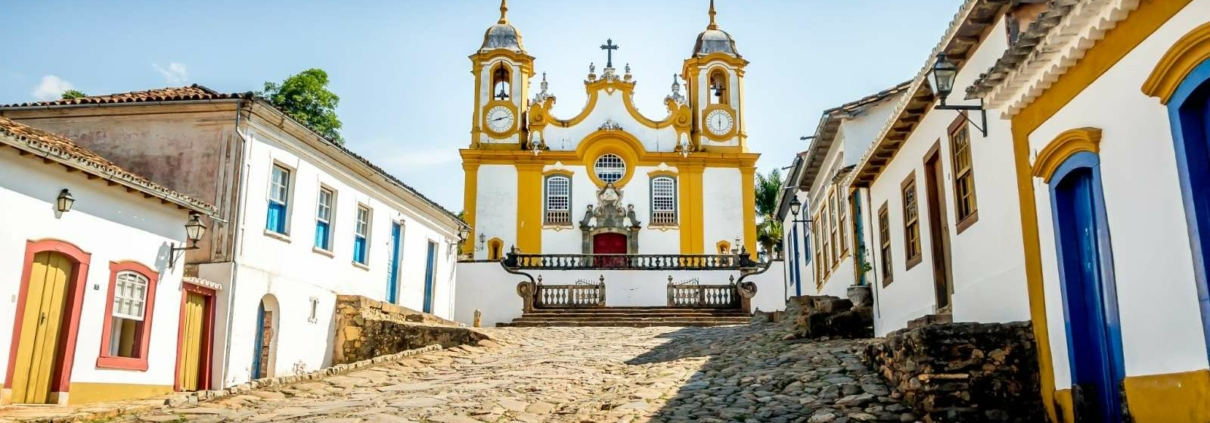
(962, 108)
(173, 249)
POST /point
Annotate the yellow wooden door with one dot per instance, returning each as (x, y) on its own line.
(45, 301)
(191, 348)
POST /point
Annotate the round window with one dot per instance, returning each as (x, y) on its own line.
(610, 168)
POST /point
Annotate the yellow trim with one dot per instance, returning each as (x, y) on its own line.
(722, 247)
(513, 155)
(516, 119)
(690, 198)
(620, 143)
(492, 253)
(659, 172)
(748, 186)
(86, 392)
(679, 116)
(1096, 61)
(529, 207)
(563, 172)
(1184, 55)
(1066, 405)
(1063, 146)
(1169, 398)
(470, 198)
(521, 60)
(734, 123)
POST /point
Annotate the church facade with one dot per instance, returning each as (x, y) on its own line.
(608, 180)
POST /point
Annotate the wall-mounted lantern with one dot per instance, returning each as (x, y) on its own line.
(482, 242)
(194, 229)
(65, 201)
(942, 77)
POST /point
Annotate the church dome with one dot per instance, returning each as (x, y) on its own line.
(714, 40)
(502, 35)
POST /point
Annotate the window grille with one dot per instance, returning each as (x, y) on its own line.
(610, 168)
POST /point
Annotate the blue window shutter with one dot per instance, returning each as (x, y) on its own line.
(276, 220)
(359, 250)
(321, 235)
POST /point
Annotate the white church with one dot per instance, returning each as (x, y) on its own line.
(608, 180)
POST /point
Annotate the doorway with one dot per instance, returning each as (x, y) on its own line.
(196, 334)
(430, 275)
(1089, 297)
(1189, 112)
(266, 338)
(40, 340)
(609, 243)
(393, 264)
(939, 236)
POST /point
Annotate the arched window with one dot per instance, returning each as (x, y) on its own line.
(609, 168)
(495, 249)
(126, 333)
(501, 82)
(663, 201)
(724, 247)
(718, 87)
(558, 200)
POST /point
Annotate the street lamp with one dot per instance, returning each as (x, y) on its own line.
(65, 201)
(194, 229)
(943, 73)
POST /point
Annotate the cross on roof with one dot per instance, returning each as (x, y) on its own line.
(609, 47)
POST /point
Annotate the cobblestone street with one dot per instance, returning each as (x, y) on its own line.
(739, 373)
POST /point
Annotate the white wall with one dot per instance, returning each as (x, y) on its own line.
(609, 106)
(488, 288)
(111, 225)
(986, 259)
(1157, 299)
(806, 253)
(722, 207)
(496, 206)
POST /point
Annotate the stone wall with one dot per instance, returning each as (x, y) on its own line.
(963, 372)
(830, 317)
(367, 328)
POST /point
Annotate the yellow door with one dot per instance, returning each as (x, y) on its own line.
(45, 301)
(191, 348)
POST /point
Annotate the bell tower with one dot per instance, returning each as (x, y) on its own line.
(502, 70)
(715, 78)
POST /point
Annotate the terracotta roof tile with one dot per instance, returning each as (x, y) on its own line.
(65, 151)
(192, 92)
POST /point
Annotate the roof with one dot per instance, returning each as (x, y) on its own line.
(829, 124)
(197, 92)
(959, 42)
(789, 187)
(1053, 44)
(66, 152)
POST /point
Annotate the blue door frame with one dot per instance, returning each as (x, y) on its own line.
(1189, 115)
(1088, 288)
(260, 340)
(795, 274)
(393, 265)
(858, 238)
(430, 263)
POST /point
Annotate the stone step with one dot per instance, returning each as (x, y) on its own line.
(627, 310)
(639, 314)
(634, 319)
(624, 323)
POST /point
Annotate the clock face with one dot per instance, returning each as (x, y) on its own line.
(500, 119)
(719, 122)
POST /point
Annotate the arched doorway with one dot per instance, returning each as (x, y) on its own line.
(267, 328)
(1089, 296)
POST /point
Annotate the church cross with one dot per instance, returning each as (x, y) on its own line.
(609, 47)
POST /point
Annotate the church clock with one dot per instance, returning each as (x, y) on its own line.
(719, 122)
(500, 119)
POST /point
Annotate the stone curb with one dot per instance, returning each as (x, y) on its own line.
(203, 396)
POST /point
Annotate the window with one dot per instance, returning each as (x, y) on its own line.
(501, 82)
(827, 241)
(609, 168)
(884, 244)
(663, 201)
(833, 230)
(279, 198)
(843, 230)
(558, 200)
(495, 249)
(718, 87)
(820, 254)
(911, 222)
(964, 176)
(323, 219)
(362, 233)
(126, 333)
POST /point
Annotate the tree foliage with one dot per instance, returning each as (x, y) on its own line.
(768, 230)
(305, 97)
(73, 94)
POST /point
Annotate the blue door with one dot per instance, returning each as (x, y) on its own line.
(795, 276)
(260, 340)
(429, 274)
(392, 265)
(1090, 302)
(1189, 111)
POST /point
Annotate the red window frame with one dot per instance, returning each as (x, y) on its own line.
(143, 338)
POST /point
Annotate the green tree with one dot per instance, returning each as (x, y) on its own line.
(73, 94)
(305, 97)
(768, 229)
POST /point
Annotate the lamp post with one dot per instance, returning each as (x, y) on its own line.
(942, 77)
(194, 229)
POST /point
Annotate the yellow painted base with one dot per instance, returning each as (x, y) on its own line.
(1065, 405)
(1169, 398)
(83, 393)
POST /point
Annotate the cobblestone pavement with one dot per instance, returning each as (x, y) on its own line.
(722, 374)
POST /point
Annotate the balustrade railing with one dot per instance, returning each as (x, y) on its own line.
(629, 261)
(692, 294)
(558, 217)
(583, 294)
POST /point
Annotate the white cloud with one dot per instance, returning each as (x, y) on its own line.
(175, 73)
(51, 88)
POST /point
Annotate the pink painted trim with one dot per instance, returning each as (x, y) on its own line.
(67, 338)
(207, 337)
(143, 338)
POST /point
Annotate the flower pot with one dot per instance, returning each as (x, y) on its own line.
(861, 296)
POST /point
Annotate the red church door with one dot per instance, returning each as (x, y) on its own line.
(609, 243)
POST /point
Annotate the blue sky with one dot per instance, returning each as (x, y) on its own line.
(401, 67)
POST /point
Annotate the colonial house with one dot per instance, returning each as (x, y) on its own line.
(815, 205)
(299, 220)
(796, 239)
(1108, 108)
(97, 306)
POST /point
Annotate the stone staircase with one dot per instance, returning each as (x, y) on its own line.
(630, 317)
